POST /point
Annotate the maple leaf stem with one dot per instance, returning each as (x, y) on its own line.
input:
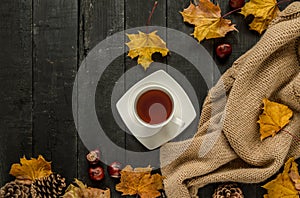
(231, 12)
(294, 136)
(151, 13)
(283, 1)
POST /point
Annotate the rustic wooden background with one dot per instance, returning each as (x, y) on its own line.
(42, 44)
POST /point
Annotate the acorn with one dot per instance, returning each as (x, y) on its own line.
(93, 157)
(236, 4)
(223, 51)
(96, 173)
(114, 169)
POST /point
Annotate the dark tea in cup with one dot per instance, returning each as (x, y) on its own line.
(154, 106)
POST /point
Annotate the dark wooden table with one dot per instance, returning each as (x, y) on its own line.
(42, 46)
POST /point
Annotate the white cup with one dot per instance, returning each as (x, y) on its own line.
(154, 100)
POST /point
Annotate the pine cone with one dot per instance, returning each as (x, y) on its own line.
(52, 186)
(228, 191)
(15, 190)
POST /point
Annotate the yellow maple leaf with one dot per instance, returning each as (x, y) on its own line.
(143, 45)
(82, 191)
(31, 169)
(207, 20)
(140, 181)
(294, 175)
(282, 185)
(263, 11)
(274, 117)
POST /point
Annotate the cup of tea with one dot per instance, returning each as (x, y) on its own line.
(154, 108)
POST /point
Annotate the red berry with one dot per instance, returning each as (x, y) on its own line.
(223, 50)
(93, 157)
(96, 173)
(236, 4)
(114, 169)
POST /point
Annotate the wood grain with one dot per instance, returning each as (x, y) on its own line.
(99, 20)
(16, 84)
(54, 67)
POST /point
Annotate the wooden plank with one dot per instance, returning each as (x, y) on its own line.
(16, 84)
(99, 20)
(55, 64)
(137, 15)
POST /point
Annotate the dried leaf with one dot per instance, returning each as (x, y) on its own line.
(282, 186)
(31, 169)
(263, 11)
(144, 45)
(294, 175)
(274, 117)
(82, 191)
(140, 181)
(207, 20)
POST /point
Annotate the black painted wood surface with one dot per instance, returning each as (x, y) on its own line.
(42, 44)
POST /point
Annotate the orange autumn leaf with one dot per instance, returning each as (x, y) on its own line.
(143, 45)
(263, 11)
(282, 185)
(31, 169)
(140, 181)
(207, 20)
(274, 117)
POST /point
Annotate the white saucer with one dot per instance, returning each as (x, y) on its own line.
(183, 110)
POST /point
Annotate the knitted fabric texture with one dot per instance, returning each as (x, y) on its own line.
(227, 145)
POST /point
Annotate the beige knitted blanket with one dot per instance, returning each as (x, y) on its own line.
(227, 145)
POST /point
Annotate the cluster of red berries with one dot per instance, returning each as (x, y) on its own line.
(96, 171)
